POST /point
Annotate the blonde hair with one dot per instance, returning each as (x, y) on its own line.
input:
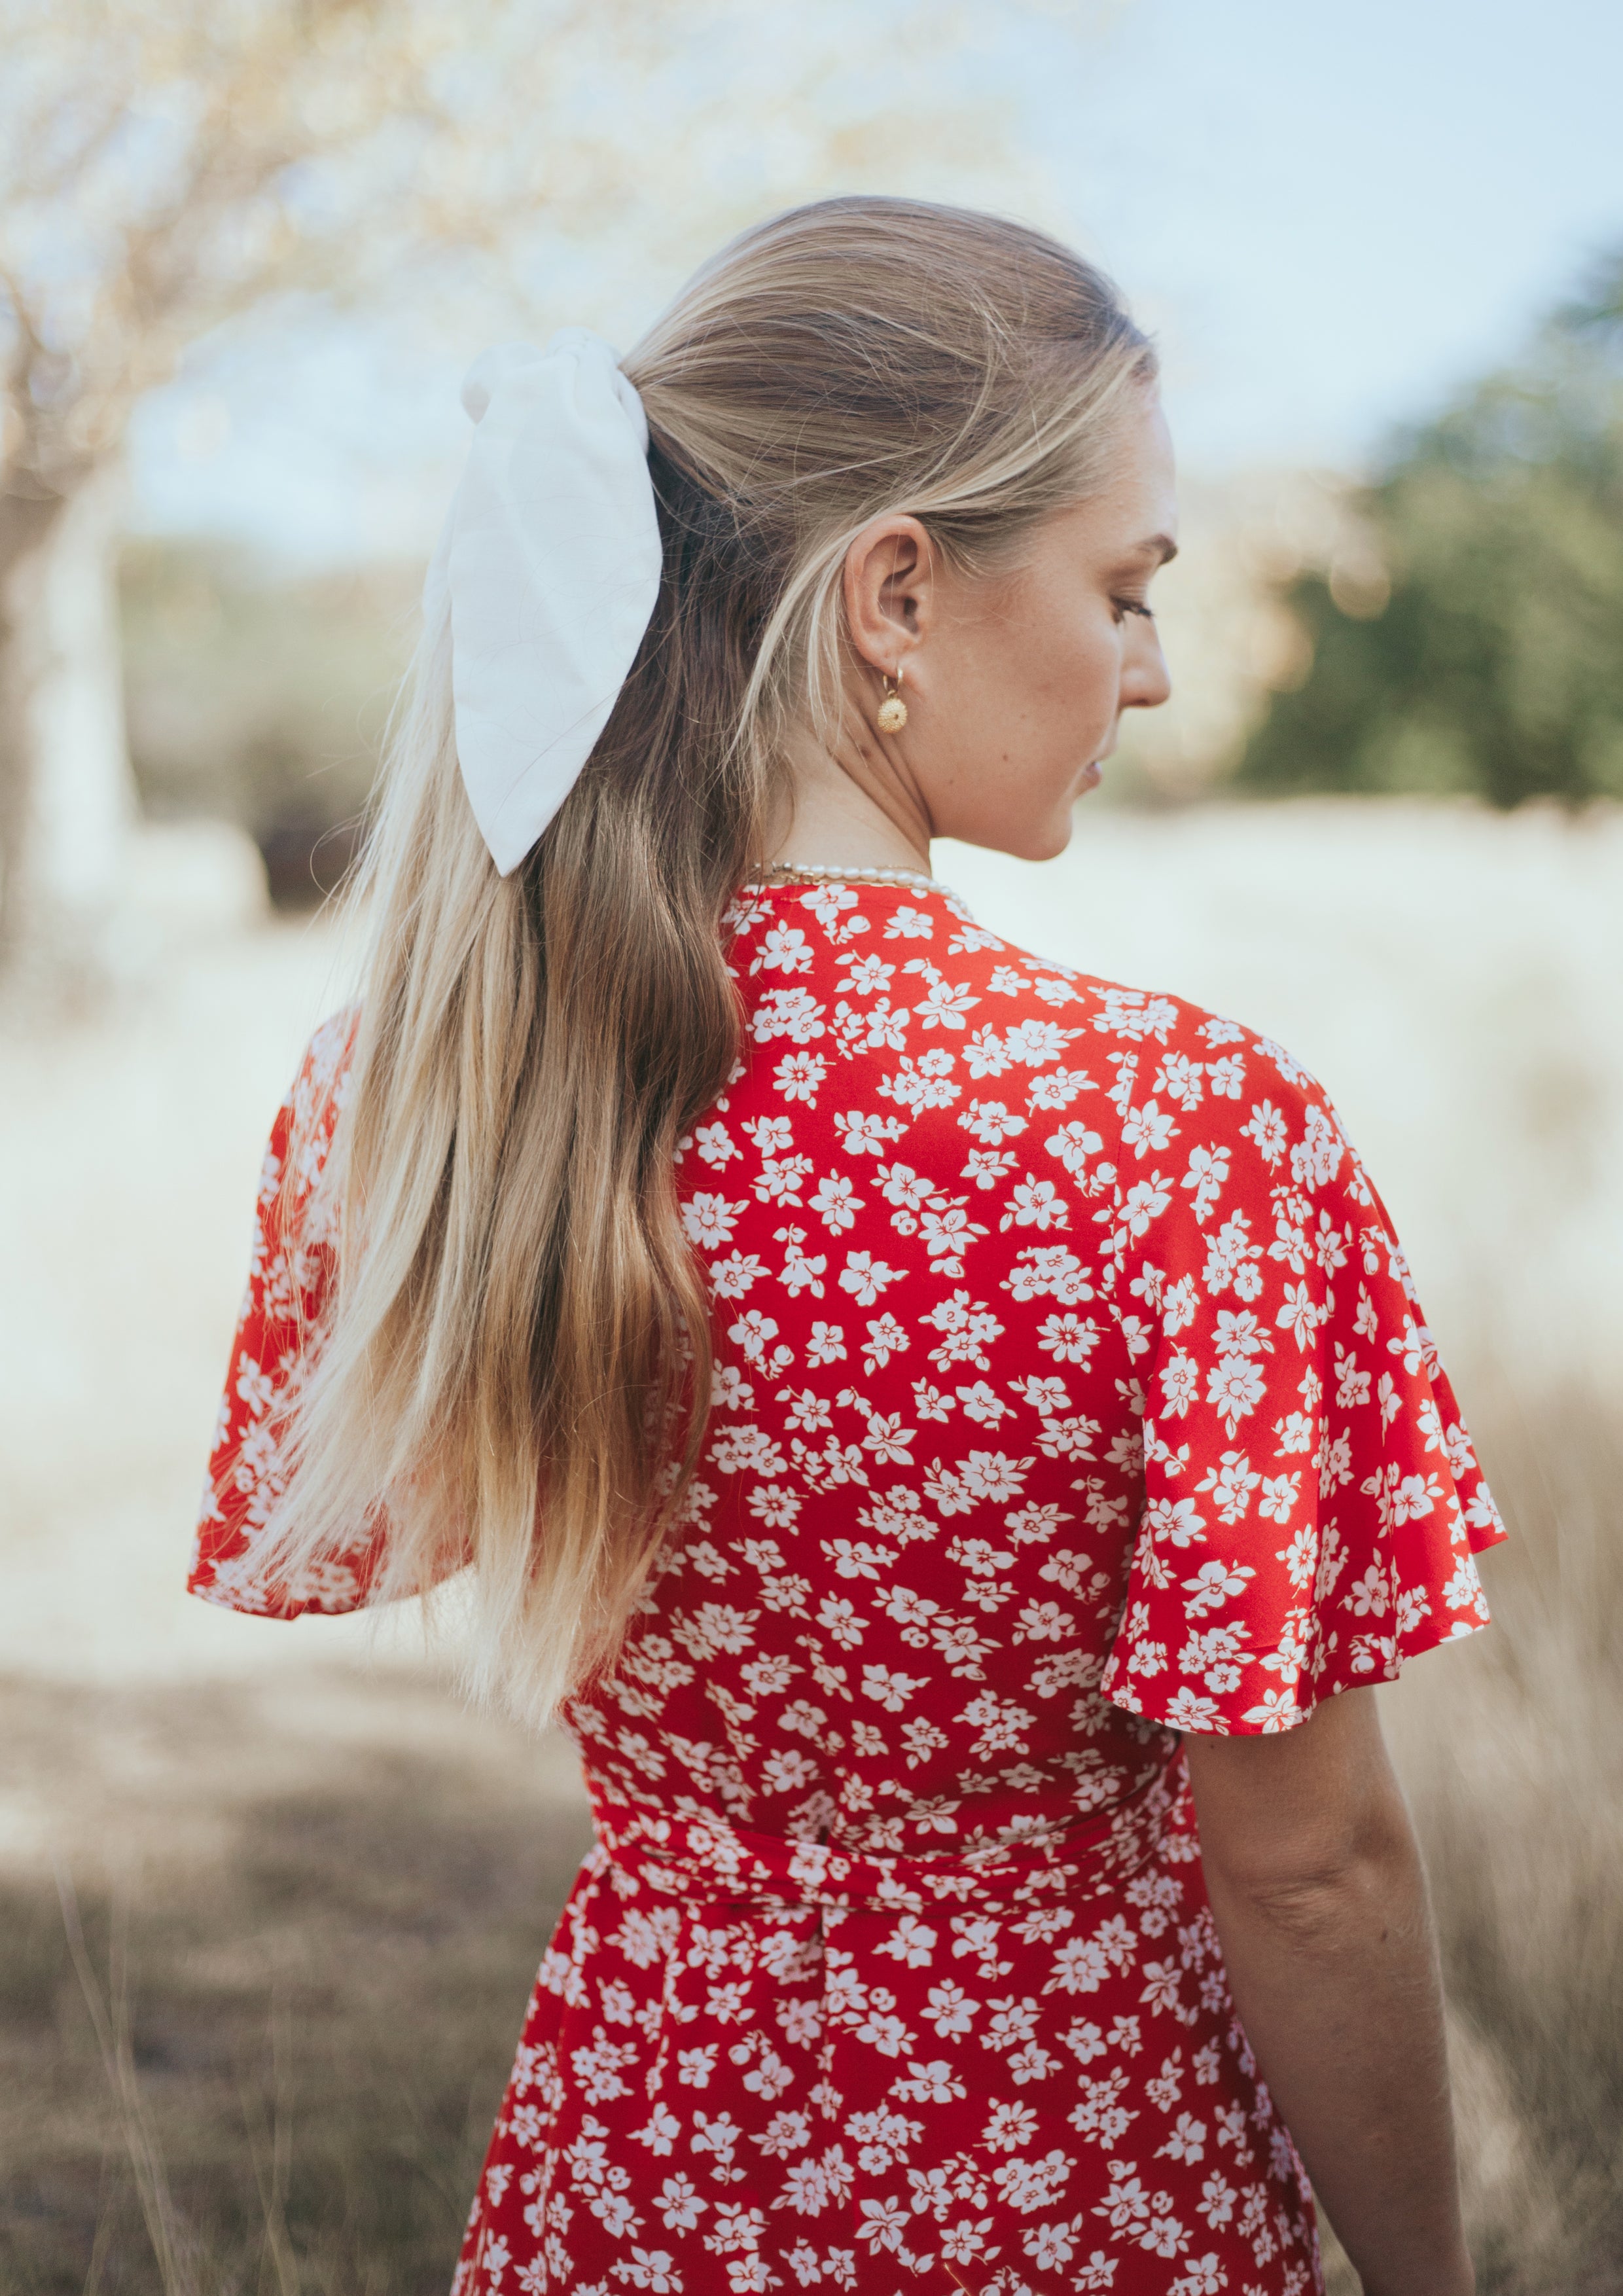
(516, 1365)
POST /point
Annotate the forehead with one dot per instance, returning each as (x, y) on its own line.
(1145, 474)
(1139, 506)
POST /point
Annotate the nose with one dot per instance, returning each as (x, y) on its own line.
(1146, 682)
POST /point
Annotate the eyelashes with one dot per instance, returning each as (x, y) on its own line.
(1136, 606)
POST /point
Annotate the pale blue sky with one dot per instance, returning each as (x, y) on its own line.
(1336, 213)
(1331, 215)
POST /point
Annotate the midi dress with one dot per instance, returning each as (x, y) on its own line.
(1071, 1394)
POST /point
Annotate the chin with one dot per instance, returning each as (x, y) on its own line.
(1040, 842)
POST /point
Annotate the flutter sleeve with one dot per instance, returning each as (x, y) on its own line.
(291, 1272)
(1312, 1502)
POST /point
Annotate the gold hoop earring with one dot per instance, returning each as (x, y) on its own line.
(893, 710)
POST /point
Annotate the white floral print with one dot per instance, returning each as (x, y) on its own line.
(1072, 1393)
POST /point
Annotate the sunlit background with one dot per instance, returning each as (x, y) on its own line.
(270, 1900)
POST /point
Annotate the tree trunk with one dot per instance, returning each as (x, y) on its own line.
(66, 794)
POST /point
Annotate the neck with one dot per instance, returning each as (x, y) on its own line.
(850, 813)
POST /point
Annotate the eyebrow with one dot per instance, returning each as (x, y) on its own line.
(1163, 546)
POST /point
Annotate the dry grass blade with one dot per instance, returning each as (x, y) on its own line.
(278, 2143)
(101, 2248)
(110, 2018)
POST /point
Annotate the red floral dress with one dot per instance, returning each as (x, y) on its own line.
(1072, 1393)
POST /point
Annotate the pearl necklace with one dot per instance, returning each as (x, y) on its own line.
(819, 872)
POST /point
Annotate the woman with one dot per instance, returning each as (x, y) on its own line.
(953, 1439)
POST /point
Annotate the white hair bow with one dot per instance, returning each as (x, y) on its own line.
(550, 560)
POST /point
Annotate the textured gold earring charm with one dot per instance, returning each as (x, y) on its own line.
(892, 709)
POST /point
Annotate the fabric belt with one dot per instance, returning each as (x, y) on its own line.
(707, 1861)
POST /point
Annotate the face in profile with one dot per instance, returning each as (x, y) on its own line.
(1016, 682)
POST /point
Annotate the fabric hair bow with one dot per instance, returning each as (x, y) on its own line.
(549, 562)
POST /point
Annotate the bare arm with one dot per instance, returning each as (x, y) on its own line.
(1317, 1891)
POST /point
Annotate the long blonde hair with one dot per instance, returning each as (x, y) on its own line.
(515, 1367)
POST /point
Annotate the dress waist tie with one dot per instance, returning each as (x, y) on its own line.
(707, 1862)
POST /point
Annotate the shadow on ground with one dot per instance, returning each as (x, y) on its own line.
(308, 2012)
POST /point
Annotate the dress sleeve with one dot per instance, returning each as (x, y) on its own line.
(1312, 1501)
(291, 1270)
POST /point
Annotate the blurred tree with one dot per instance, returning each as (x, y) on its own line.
(166, 169)
(1469, 635)
(260, 696)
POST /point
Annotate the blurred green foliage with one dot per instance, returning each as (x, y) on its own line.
(1485, 656)
(262, 696)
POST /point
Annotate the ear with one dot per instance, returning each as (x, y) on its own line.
(892, 581)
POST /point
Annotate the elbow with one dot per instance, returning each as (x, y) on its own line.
(1302, 1908)
(1317, 1887)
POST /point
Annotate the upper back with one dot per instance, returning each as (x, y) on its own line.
(907, 1545)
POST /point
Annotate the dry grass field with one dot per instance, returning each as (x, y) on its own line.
(270, 1900)
(260, 2046)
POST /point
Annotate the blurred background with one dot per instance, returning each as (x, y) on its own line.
(270, 1899)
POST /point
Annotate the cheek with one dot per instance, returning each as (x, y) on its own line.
(1037, 674)
(1074, 684)
(1092, 658)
